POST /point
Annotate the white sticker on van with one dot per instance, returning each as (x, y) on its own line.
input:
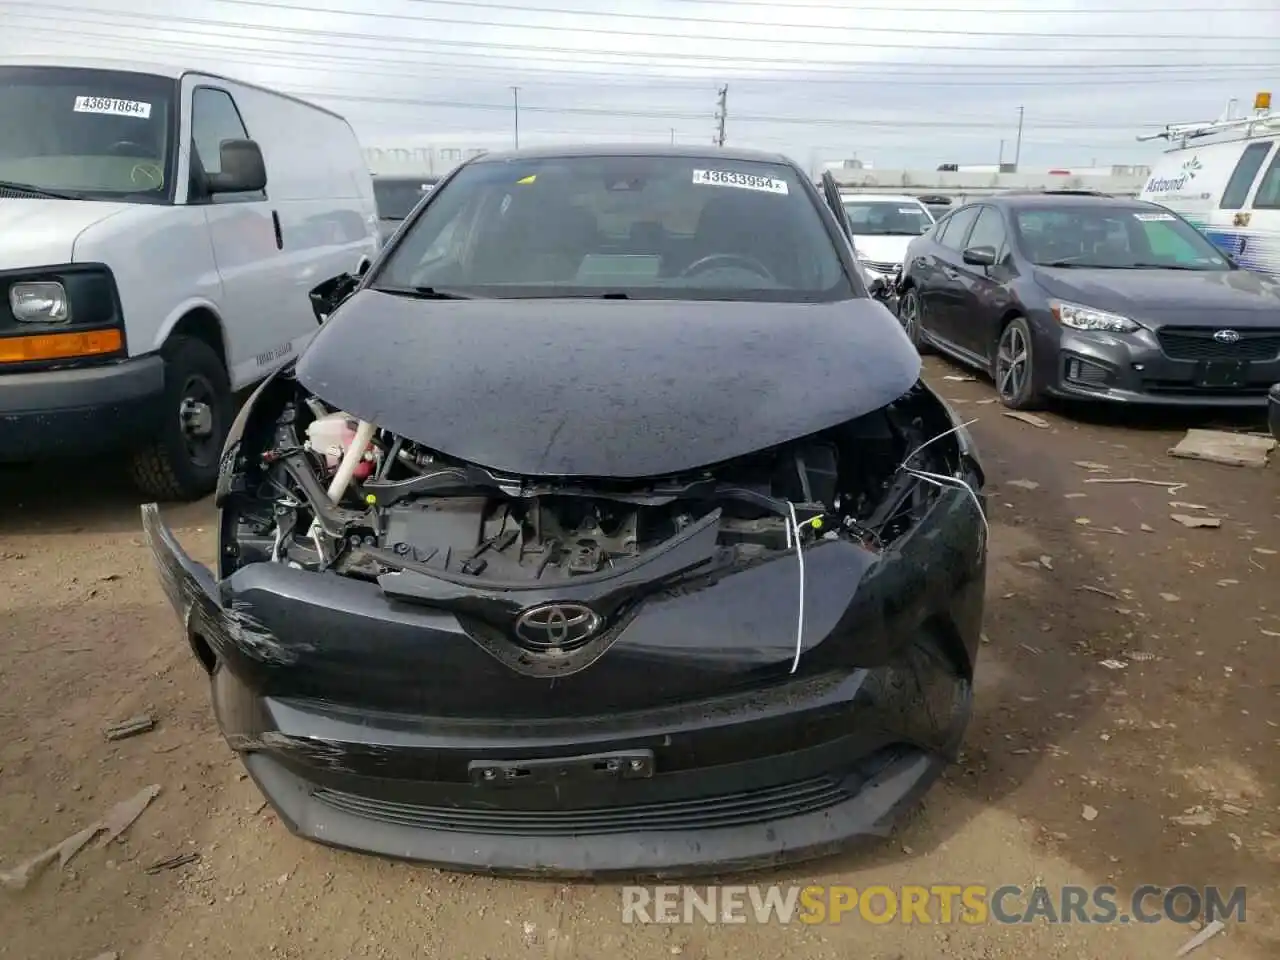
(114, 107)
(743, 181)
(1151, 217)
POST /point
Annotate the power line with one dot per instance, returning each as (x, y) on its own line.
(271, 58)
(906, 9)
(223, 25)
(714, 21)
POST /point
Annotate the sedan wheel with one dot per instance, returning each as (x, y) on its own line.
(1014, 372)
(909, 316)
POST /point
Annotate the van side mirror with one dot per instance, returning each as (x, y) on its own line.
(980, 256)
(328, 296)
(877, 286)
(243, 169)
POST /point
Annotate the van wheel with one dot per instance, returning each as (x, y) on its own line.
(182, 463)
(1014, 369)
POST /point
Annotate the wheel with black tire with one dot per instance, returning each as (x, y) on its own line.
(910, 315)
(182, 462)
(1014, 369)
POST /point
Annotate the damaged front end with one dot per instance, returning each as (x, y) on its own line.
(728, 666)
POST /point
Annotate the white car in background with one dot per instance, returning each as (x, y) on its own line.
(882, 226)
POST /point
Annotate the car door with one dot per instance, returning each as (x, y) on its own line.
(985, 288)
(942, 296)
(243, 233)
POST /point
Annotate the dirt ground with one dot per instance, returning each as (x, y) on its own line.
(1189, 727)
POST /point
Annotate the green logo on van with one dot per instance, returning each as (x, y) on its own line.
(1191, 167)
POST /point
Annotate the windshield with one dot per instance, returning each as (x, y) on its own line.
(887, 218)
(1115, 237)
(397, 198)
(88, 134)
(628, 226)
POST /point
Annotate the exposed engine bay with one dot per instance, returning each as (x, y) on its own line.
(313, 488)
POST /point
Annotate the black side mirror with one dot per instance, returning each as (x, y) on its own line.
(328, 296)
(980, 256)
(243, 169)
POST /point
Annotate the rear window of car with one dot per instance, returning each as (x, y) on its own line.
(641, 226)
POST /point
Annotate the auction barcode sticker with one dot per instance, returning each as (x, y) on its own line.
(114, 107)
(743, 181)
(1154, 217)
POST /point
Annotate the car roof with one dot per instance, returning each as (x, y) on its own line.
(887, 197)
(1048, 199)
(710, 154)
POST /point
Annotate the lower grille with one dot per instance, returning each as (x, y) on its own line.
(1197, 343)
(730, 810)
(1182, 388)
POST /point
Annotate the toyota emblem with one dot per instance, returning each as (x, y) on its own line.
(1227, 336)
(552, 625)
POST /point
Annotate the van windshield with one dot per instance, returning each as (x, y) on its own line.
(86, 134)
(396, 197)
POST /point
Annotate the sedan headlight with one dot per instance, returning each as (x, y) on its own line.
(1088, 318)
(44, 301)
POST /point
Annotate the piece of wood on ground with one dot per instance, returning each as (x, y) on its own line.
(1218, 446)
(1030, 418)
(1189, 521)
(131, 727)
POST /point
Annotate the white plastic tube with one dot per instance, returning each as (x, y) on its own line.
(350, 460)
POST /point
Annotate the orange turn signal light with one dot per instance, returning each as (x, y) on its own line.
(59, 346)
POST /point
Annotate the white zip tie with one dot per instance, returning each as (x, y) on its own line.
(955, 483)
(946, 433)
(795, 525)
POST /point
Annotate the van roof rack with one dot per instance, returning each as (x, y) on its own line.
(1261, 122)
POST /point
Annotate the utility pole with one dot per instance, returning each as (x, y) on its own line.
(673, 136)
(1017, 150)
(1000, 162)
(515, 99)
(721, 114)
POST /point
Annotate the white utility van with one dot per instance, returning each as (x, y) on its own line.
(160, 232)
(1223, 176)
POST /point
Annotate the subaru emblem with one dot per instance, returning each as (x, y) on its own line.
(552, 625)
(1226, 336)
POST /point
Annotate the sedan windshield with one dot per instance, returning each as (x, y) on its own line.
(887, 218)
(397, 196)
(1115, 238)
(87, 134)
(638, 227)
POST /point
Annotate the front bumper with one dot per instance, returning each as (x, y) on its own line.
(361, 740)
(82, 411)
(1132, 368)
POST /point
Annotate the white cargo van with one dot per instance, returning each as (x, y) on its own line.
(160, 231)
(1223, 176)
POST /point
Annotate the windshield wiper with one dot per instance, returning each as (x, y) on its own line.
(39, 191)
(1159, 266)
(425, 293)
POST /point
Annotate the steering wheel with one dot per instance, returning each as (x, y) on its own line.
(711, 262)
(129, 148)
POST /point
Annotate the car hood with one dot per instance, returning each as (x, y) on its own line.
(43, 232)
(881, 249)
(1178, 297)
(606, 388)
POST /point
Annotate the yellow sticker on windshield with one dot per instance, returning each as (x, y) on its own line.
(529, 179)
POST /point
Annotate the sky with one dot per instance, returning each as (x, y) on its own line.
(912, 83)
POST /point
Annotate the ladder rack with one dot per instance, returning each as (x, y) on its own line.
(1259, 123)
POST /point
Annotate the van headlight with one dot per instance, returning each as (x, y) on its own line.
(43, 301)
(1088, 318)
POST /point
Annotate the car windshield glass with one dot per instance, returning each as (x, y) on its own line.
(1116, 238)
(397, 198)
(87, 134)
(666, 227)
(887, 218)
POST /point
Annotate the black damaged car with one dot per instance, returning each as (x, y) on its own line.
(606, 527)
